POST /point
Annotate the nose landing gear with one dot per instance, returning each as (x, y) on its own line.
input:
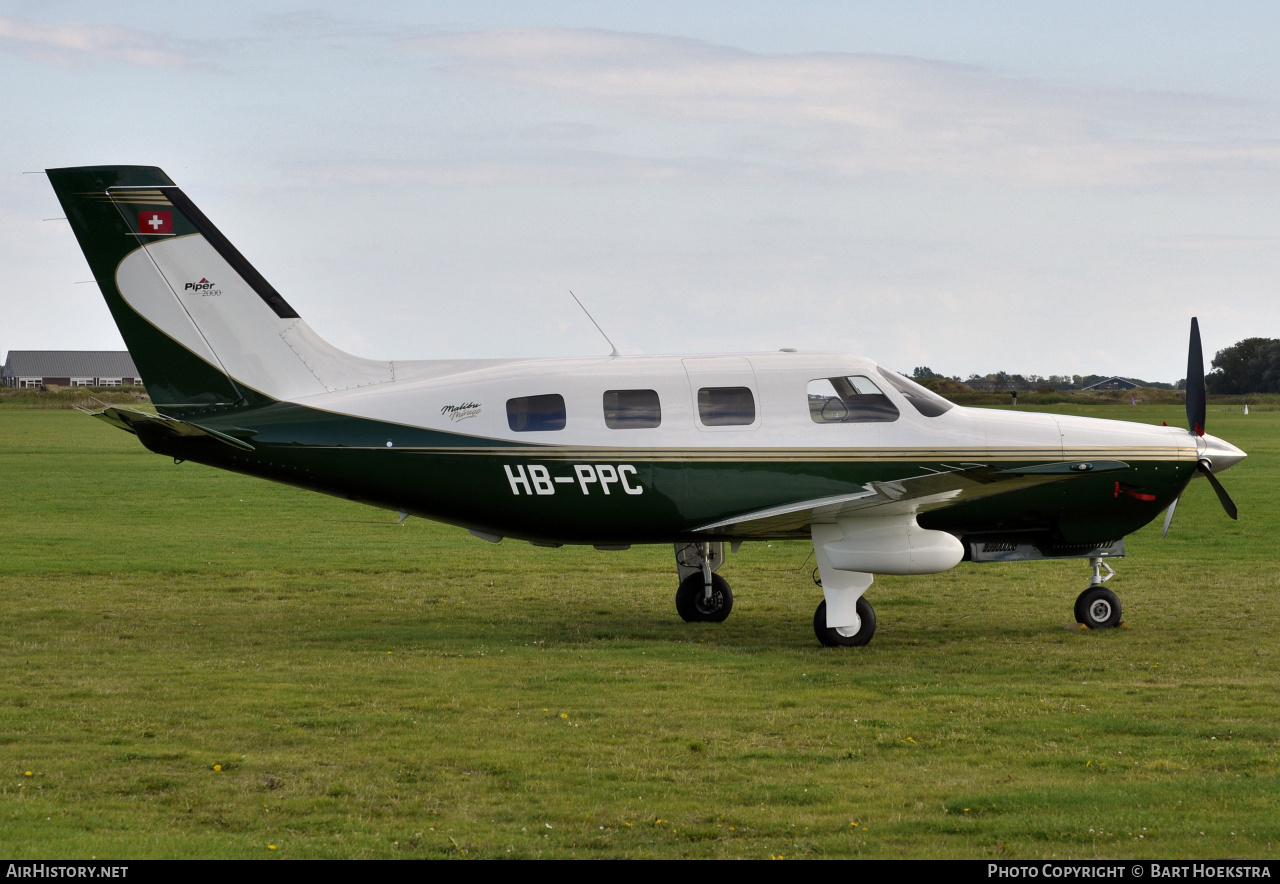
(1098, 607)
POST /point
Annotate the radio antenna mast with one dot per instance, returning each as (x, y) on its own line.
(597, 325)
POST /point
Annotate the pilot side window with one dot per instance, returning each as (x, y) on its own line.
(726, 406)
(632, 409)
(849, 400)
(530, 413)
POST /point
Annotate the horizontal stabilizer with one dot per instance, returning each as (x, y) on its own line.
(146, 426)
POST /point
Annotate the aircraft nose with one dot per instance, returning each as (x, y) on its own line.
(1220, 453)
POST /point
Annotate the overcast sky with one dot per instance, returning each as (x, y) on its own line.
(1047, 188)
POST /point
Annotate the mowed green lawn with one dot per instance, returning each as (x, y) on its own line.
(369, 690)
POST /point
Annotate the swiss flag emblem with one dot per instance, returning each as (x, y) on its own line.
(155, 222)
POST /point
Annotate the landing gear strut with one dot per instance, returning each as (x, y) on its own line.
(703, 596)
(1098, 607)
(844, 619)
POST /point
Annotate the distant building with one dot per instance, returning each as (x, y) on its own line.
(70, 368)
(1112, 384)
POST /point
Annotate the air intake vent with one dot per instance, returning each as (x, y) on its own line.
(1025, 548)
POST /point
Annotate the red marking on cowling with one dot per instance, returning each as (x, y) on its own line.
(1136, 495)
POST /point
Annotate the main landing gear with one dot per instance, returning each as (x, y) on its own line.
(844, 618)
(845, 636)
(1098, 607)
(704, 596)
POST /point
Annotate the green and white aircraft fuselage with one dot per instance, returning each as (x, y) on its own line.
(883, 475)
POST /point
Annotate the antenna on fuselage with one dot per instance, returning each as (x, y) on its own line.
(596, 324)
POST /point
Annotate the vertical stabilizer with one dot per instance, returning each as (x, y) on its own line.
(205, 329)
(175, 375)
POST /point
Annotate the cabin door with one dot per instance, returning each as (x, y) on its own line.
(724, 391)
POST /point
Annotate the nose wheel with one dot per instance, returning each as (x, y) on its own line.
(1098, 607)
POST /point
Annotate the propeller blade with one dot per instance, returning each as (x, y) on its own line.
(1223, 497)
(1168, 520)
(1195, 382)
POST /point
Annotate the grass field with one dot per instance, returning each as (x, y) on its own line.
(200, 664)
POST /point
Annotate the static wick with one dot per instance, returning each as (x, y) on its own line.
(597, 325)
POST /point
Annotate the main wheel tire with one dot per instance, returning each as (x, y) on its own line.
(693, 605)
(841, 637)
(1098, 608)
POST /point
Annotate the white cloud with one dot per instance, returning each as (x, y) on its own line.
(855, 114)
(71, 44)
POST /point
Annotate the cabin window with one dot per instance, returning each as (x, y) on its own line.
(849, 400)
(528, 414)
(726, 406)
(632, 409)
(927, 402)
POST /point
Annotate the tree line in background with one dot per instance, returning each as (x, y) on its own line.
(1250, 366)
(1003, 380)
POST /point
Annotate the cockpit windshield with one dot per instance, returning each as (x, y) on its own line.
(927, 402)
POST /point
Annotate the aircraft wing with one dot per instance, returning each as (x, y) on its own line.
(927, 491)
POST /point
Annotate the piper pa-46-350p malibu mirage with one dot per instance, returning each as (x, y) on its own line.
(884, 476)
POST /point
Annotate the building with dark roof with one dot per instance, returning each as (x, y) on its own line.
(1113, 384)
(70, 368)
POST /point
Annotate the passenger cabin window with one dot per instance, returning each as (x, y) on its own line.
(530, 413)
(632, 409)
(849, 400)
(726, 406)
(925, 401)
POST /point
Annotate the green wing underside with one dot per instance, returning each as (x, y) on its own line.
(718, 494)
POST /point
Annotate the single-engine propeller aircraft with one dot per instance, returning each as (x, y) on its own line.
(884, 476)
